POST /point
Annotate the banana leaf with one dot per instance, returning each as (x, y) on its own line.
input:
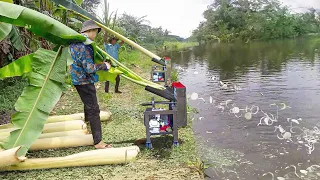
(103, 75)
(4, 30)
(78, 2)
(8, 1)
(17, 67)
(129, 74)
(37, 100)
(100, 56)
(84, 14)
(70, 5)
(15, 39)
(38, 23)
(58, 33)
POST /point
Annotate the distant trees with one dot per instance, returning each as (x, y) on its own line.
(139, 30)
(227, 20)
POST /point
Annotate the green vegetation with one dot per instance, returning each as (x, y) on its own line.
(9, 93)
(176, 45)
(245, 20)
(126, 126)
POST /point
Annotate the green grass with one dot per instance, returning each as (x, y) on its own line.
(10, 90)
(126, 126)
(178, 45)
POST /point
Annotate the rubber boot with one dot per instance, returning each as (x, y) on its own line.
(117, 85)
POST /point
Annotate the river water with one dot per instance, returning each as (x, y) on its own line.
(282, 79)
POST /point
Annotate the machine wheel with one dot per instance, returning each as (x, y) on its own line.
(149, 145)
(176, 144)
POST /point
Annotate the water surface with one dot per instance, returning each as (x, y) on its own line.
(286, 71)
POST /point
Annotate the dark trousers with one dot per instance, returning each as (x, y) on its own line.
(106, 87)
(88, 96)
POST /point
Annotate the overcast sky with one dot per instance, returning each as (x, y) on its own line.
(181, 16)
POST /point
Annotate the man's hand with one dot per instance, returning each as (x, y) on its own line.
(108, 65)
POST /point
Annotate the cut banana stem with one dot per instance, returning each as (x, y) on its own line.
(62, 142)
(104, 116)
(64, 126)
(88, 158)
(9, 157)
(64, 133)
(50, 135)
(54, 127)
(6, 126)
(5, 131)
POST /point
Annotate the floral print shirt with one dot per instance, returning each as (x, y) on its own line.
(83, 70)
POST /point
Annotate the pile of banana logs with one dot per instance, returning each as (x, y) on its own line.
(63, 132)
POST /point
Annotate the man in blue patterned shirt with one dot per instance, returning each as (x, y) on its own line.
(83, 75)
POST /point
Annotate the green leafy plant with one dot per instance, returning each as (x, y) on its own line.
(46, 72)
(38, 99)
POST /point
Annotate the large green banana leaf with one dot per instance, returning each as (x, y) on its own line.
(15, 39)
(4, 30)
(68, 4)
(37, 99)
(38, 23)
(17, 67)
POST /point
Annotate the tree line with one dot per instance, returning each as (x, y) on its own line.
(245, 20)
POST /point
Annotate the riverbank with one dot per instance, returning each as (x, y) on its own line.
(126, 126)
(173, 46)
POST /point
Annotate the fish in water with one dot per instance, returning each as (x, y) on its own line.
(294, 120)
(223, 85)
(248, 115)
(281, 178)
(194, 96)
(202, 99)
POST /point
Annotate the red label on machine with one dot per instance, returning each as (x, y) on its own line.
(178, 85)
(167, 58)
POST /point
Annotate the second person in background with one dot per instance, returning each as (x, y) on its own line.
(112, 48)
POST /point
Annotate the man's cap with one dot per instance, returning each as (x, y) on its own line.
(113, 38)
(89, 25)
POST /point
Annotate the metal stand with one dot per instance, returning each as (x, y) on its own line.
(172, 114)
(176, 112)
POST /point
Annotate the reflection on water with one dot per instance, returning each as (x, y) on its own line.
(268, 73)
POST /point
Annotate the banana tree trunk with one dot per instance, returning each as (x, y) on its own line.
(4, 135)
(62, 142)
(104, 116)
(64, 126)
(88, 158)
(9, 157)
(57, 127)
